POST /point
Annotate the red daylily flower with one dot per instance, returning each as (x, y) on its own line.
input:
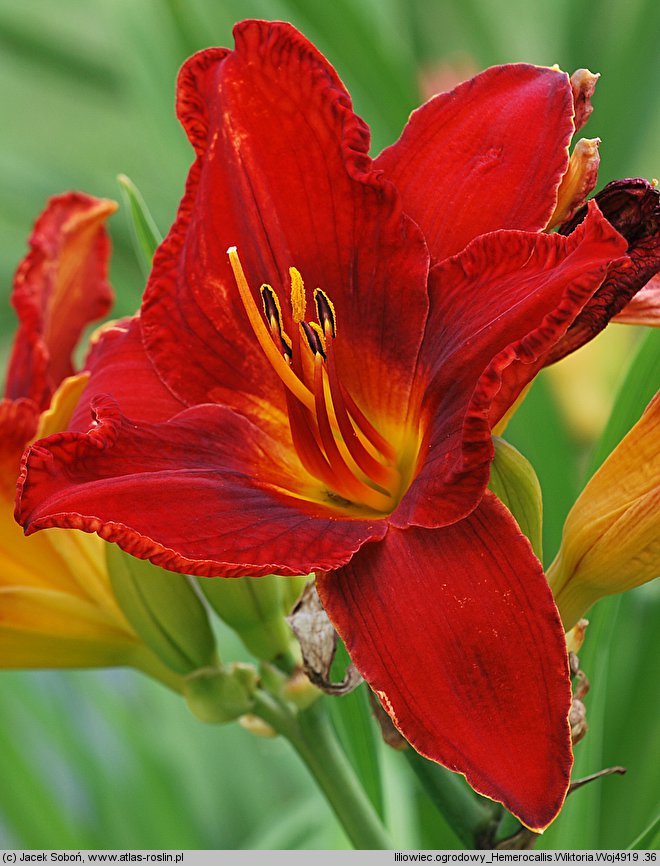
(56, 604)
(59, 288)
(346, 431)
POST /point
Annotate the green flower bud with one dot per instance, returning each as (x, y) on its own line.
(255, 608)
(164, 610)
(218, 695)
(513, 480)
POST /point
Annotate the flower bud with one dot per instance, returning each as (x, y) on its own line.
(611, 539)
(256, 726)
(513, 480)
(583, 84)
(575, 637)
(579, 180)
(218, 695)
(254, 607)
(164, 610)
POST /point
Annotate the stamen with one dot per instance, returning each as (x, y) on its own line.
(385, 476)
(366, 427)
(304, 441)
(334, 440)
(272, 308)
(341, 399)
(298, 300)
(273, 313)
(345, 482)
(313, 338)
(279, 364)
(325, 311)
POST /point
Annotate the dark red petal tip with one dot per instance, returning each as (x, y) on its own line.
(633, 207)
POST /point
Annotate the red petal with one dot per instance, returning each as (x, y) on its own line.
(456, 631)
(200, 494)
(488, 155)
(282, 172)
(59, 288)
(644, 308)
(119, 366)
(633, 208)
(496, 309)
(18, 424)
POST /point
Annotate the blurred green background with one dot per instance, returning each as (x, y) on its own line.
(109, 759)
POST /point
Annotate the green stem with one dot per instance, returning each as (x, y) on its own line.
(469, 817)
(146, 662)
(312, 736)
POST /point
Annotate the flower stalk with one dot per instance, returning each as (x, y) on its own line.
(469, 816)
(312, 736)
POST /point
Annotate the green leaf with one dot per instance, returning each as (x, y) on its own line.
(648, 839)
(144, 230)
(469, 815)
(353, 720)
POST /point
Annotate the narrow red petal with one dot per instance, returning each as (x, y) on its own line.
(119, 366)
(456, 630)
(283, 173)
(60, 287)
(633, 207)
(488, 155)
(202, 494)
(496, 310)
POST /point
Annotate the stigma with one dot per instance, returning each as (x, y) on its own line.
(335, 441)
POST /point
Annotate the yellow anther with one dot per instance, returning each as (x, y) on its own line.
(325, 310)
(319, 333)
(298, 301)
(273, 313)
(272, 308)
(312, 338)
(300, 391)
(335, 442)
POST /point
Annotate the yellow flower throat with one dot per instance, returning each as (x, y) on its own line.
(334, 440)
